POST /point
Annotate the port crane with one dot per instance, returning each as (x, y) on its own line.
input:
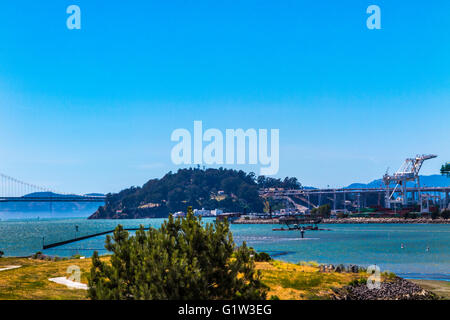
(409, 171)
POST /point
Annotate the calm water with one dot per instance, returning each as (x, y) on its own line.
(357, 244)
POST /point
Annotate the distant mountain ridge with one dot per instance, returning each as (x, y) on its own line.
(45, 209)
(434, 180)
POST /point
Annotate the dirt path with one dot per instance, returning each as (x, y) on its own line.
(5, 268)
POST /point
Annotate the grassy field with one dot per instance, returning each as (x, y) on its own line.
(289, 281)
(286, 280)
(30, 281)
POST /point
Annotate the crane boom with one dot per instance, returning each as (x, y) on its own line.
(409, 171)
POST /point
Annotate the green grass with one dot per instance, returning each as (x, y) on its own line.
(287, 281)
(302, 280)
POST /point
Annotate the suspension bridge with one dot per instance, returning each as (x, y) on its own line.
(14, 190)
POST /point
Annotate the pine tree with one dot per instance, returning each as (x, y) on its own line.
(445, 169)
(183, 259)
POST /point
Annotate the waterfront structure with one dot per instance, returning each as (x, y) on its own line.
(179, 214)
(409, 171)
(202, 212)
(393, 196)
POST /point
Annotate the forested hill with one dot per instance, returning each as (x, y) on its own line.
(226, 189)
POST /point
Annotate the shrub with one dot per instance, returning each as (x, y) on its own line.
(445, 214)
(389, 275)
(435, 214)
(262, 257)
(308, 264)
(357, 282)
(323, 211)
(183, 259)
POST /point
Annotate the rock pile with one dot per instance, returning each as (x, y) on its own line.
(41, 256)
(340, 268)
(397, 289)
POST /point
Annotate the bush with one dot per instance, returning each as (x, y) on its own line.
(183, 259)
(389, 275)
(357, 282)
(322, 211)
(262, 257)
(308, 263)
(435, 214)
(445, 214)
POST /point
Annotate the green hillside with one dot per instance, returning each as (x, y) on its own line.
(226, 189)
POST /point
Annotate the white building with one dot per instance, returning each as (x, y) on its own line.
(202, 212)
(216, 212)
(179, 214)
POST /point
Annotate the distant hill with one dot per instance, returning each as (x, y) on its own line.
(52, 194)
(429, 181)
(94, 194)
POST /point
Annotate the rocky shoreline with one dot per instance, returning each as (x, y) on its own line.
(386, 220)
(397, 289)
(352, 221)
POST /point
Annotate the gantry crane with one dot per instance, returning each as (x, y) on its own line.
(409, 171)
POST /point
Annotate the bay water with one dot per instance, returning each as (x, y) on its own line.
(425, 253)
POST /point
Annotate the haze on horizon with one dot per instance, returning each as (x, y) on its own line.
(92, 110)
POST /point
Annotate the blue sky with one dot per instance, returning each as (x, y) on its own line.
(92, 110)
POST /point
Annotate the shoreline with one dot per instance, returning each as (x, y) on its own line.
(439, 287)
(387, 220)
(353, 221)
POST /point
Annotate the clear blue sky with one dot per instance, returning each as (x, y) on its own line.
(92, 110)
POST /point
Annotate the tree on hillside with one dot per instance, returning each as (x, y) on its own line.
(323, 211)
(445, 169)
(183, 259)
(287, 183)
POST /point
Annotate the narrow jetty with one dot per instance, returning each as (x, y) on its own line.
(57, 244)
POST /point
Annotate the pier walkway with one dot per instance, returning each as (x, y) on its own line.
(57, 244)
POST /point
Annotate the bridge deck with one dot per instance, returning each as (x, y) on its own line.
(265, 192)
(52, 199)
